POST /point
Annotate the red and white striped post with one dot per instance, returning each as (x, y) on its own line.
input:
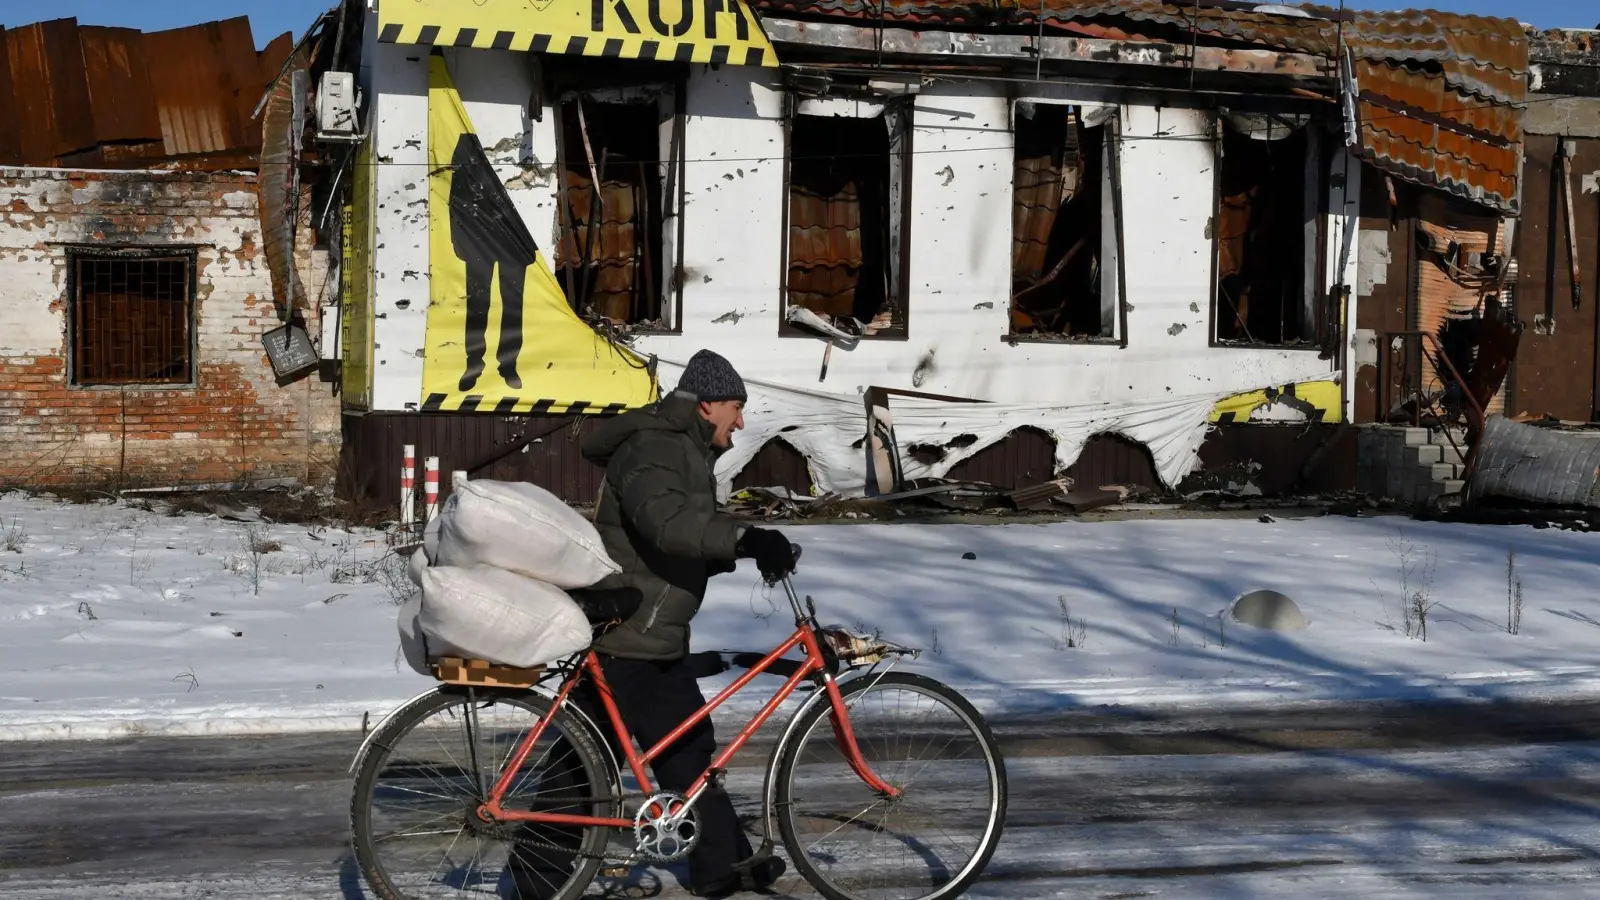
(430, 487)
(408, 487)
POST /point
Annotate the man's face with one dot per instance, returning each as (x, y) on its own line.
(726, 417)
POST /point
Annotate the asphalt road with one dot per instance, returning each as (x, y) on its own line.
(1367, 801)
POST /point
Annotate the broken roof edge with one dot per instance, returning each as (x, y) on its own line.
(312, 32)
(1564, 46)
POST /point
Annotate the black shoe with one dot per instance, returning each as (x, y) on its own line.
(511, 378)
(758, 879)
(467, 382)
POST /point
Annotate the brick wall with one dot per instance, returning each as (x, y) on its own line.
(234, 423)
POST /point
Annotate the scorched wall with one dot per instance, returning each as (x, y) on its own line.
(224, 418)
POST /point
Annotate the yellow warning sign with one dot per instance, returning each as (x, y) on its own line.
(501, 336)
(698, 31)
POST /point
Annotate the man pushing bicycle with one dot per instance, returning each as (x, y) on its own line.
(658, 517)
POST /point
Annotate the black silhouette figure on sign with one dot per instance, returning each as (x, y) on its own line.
(486, 231)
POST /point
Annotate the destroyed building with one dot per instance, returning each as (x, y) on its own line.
(1179, 247)
(151, 241)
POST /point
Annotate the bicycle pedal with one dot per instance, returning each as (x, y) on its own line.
(615, 872)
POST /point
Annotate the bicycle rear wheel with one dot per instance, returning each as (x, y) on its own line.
(428, 770)
(929, 843)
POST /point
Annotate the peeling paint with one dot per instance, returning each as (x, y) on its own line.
(731, 317)
(1176, 329)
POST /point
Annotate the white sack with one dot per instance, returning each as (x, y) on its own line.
(416, 565)
(412, 645)
(521, 528)
(430, 540)
(500, 616)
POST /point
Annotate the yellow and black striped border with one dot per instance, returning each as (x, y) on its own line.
(577, 45)
(512, 405)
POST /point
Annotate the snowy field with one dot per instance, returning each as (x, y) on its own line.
(118, 620)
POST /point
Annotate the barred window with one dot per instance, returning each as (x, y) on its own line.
(132, 318)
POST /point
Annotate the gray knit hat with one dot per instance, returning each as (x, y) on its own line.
(711, 378)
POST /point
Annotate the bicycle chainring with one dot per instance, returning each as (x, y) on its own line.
(665, 829)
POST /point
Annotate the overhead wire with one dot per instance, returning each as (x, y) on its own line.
(1204, 136)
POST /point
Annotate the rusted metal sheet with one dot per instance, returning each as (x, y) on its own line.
(1416, 91)
(1447, 298)
(49, 91)
(195, 94)
(10, 134)
(1556, 368)
(1537, 465)
(122, 103)
(825, 258)
(282, 123)
(116, 97)
(1424, 153)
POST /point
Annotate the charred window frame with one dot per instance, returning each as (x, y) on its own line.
(1268, 232)
(847, 215)
(630, 139)
(131, 316)
(1067, 281)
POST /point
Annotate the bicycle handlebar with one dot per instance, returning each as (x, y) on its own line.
(783, 577)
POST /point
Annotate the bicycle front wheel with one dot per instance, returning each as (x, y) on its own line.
(928, 843)
(413, 812)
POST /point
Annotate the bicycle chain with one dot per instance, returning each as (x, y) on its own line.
(546, 845)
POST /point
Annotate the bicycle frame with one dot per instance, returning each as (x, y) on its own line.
(804, 635)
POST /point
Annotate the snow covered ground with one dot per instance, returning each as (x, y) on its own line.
(118, 620)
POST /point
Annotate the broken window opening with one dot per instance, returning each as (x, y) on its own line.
(1268, 238)
(132, 318)
(1065, 238)
(846, 242)
(614, 257)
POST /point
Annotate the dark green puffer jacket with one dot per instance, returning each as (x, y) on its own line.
(658, 517)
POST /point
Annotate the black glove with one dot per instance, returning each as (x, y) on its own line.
(705, 664)
(773, 553)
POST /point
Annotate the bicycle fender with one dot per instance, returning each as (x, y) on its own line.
(366, 742)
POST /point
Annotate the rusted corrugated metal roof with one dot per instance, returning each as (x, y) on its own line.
(1440, 90)
(115, 97)
(1413, 124)
(824, 249)
(617, 271)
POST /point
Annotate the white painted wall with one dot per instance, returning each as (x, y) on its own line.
(960, 244)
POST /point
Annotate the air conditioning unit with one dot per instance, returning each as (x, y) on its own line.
(337, 102)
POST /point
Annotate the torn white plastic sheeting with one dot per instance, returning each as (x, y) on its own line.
(829, 431)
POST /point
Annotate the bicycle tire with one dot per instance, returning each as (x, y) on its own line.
(789, 826)
(594, 763)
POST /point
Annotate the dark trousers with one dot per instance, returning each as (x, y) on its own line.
(480, 281)
(654, 698)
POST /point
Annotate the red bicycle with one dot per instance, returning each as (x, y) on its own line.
(903, 795)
